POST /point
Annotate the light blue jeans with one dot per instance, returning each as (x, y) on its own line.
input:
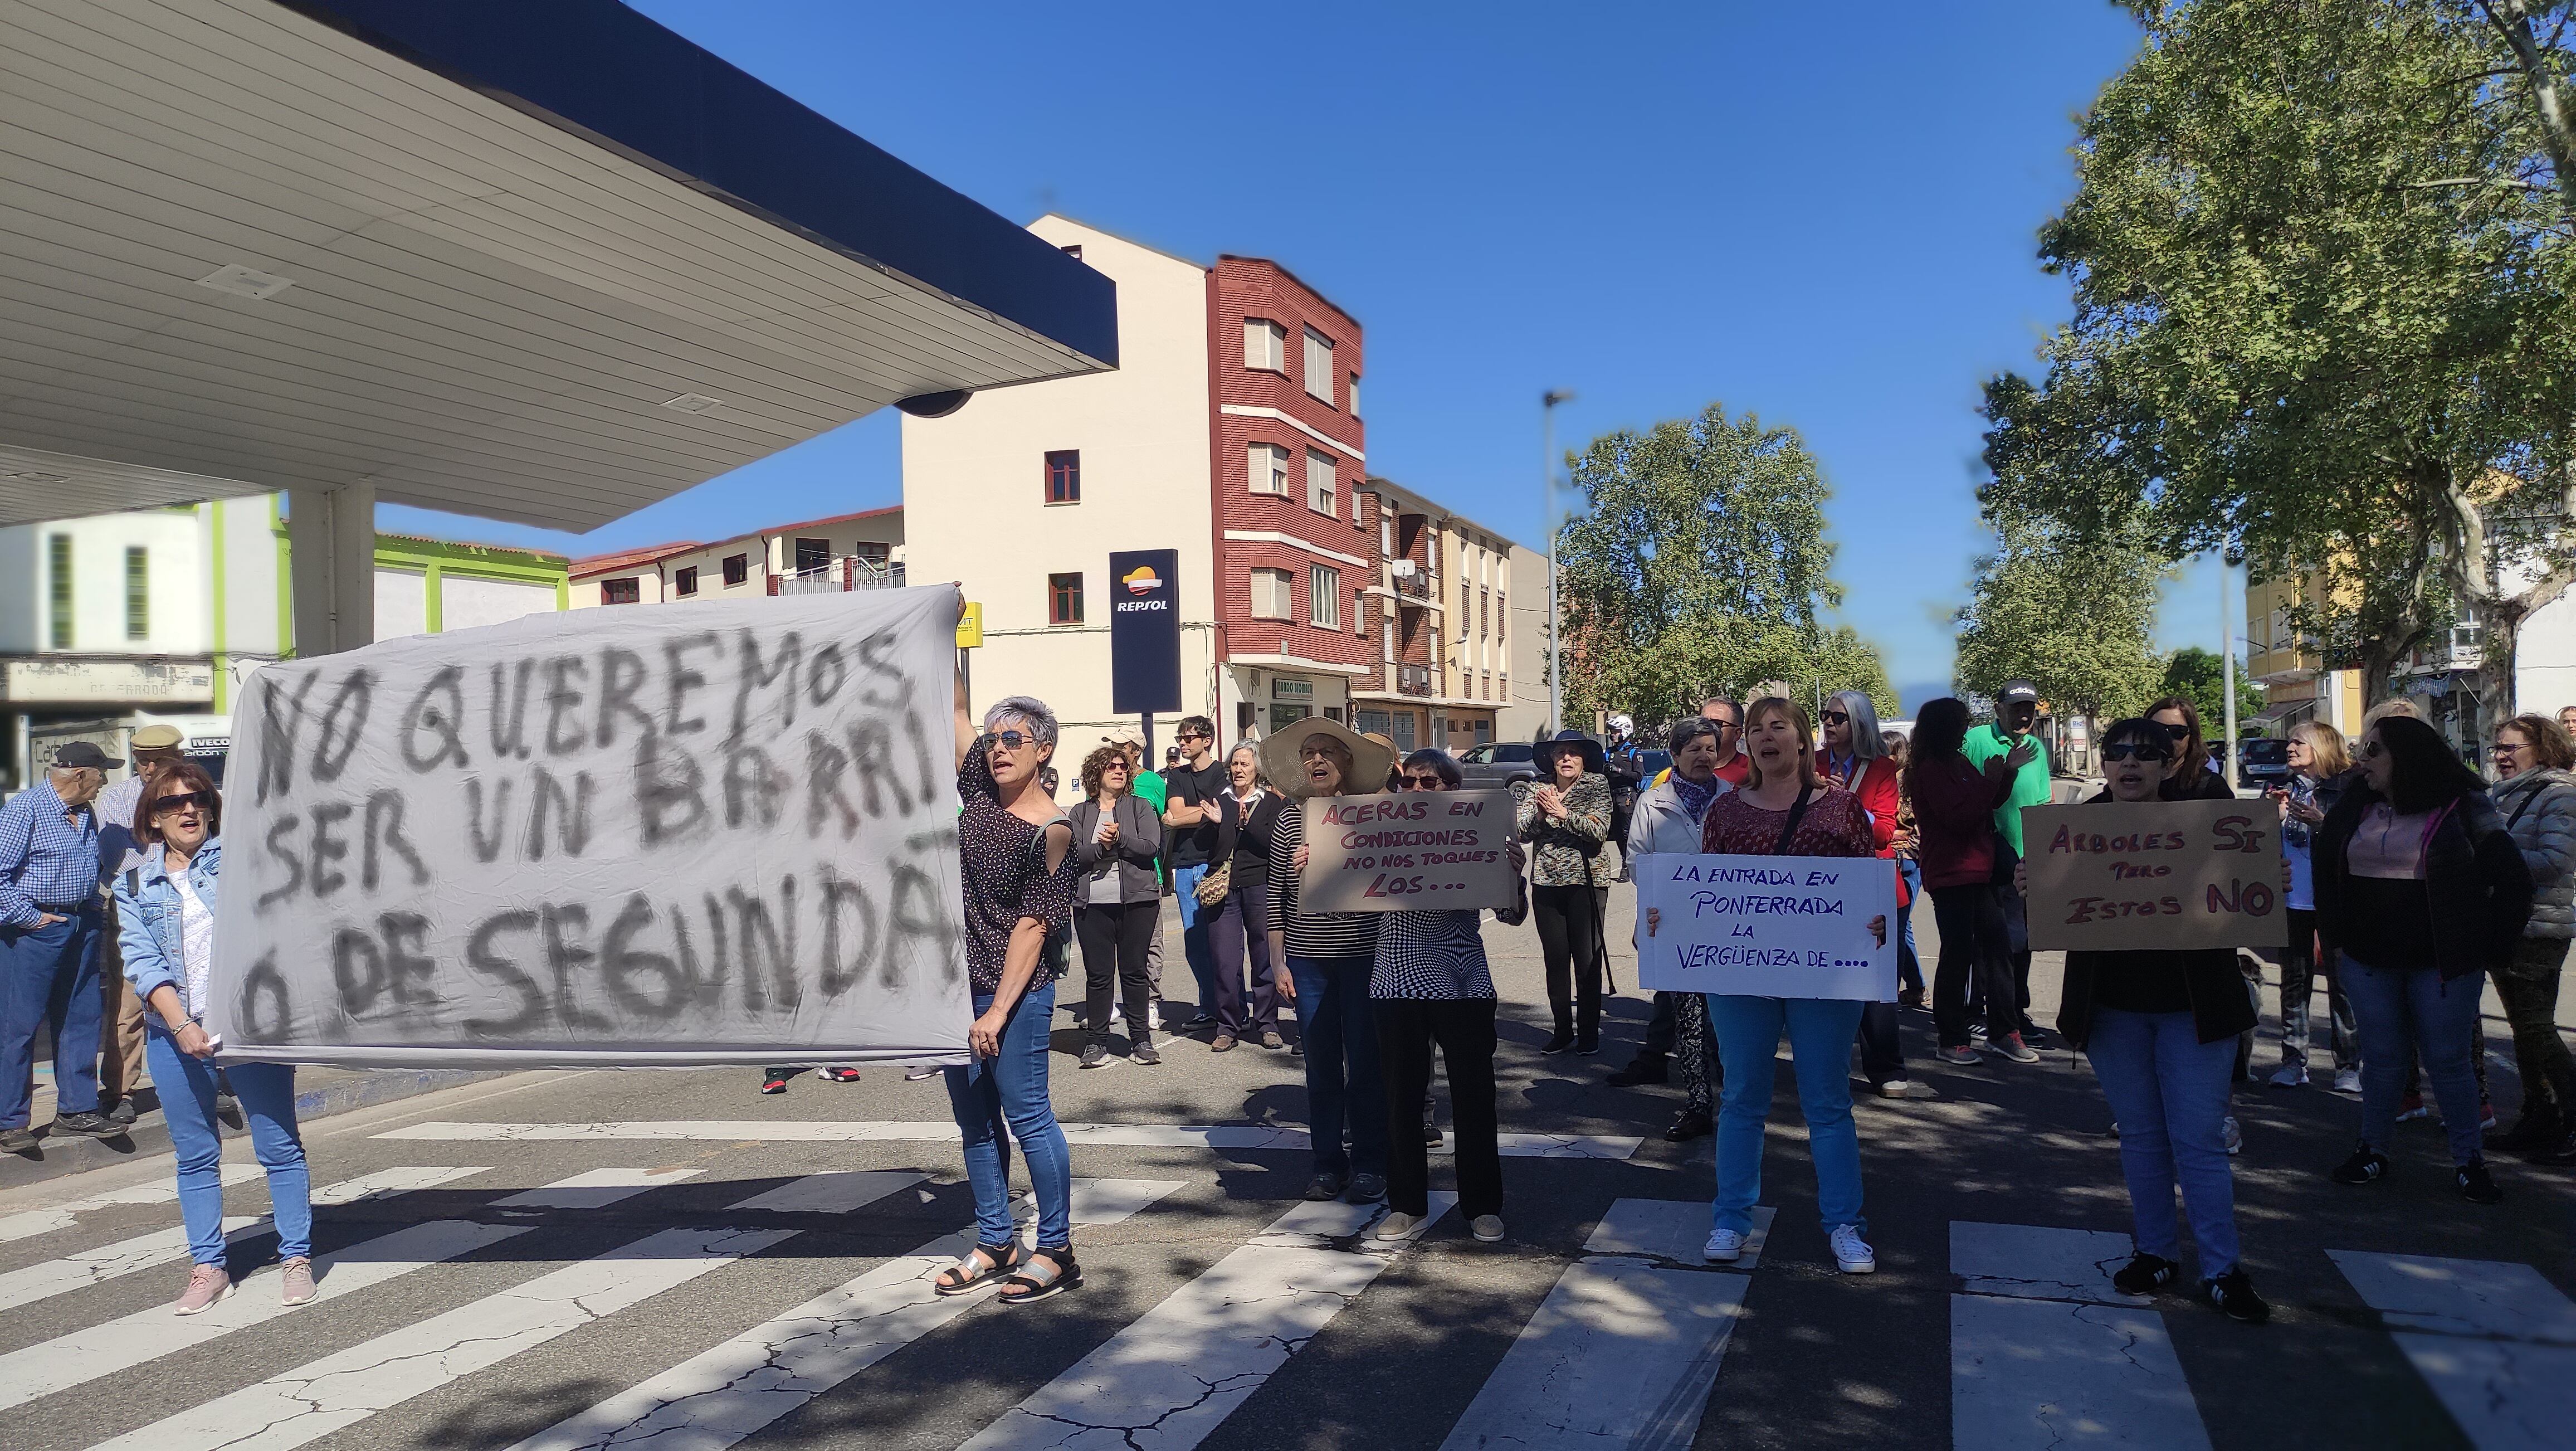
(2168, 1093)
(1820, 1039)
(1198, 933)
(1010, 1091)
(267, 1093)
(2401, 1012)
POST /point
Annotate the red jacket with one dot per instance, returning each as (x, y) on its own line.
(1954, 817)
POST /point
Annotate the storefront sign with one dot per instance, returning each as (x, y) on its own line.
(1144, 631)
(2154, 874)
(1408, 851)
(1768, 926)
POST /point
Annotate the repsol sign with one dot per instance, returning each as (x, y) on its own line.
(1124, 607)
(1144, 632)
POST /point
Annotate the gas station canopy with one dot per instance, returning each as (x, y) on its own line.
(545, 262)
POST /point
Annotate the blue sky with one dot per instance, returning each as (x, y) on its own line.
(1827, 222)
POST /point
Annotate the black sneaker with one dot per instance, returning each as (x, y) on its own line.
(1367, 1188)
(1145, 1053)
(2477, 1185)
(2559, 1155)
(1326, 1186)
(1094, 1054)
(17, 1141)
(88, 1125)
(1586, 1047)
(1642, 1069)
(1557, 1042)
(2365, 1166)
(2144, 1275)
(1687, 1125)
(2234, 1294)
(123, 1114)
(774, 1083)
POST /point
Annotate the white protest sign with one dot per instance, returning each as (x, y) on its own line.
(661, 835)
(1409, 851)
(1768, 926)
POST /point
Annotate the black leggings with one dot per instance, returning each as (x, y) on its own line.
(1973, 946)
(1114, 937)
(1569, 935)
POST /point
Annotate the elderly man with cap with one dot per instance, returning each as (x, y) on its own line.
(50, 919)
(120, 1063)
(2016, 711)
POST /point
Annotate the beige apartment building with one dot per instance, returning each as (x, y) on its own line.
(2297, 685)
(846, 551)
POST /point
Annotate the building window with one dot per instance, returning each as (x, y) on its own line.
(737, 568)
(813, 556)
(1064, 476)
(58, 590)
(1502, 615)
(1073, 251)
(138, 594)
(1359, 613)
(1319, 367)
(1385, 537)
(620, 591)
(1484, 613)
(685, 582)
(1265, 345)
(1319, 481)
(1064, 599)
(1267, 468)
(1352, 398)
(1324, 596)
(1270, 595)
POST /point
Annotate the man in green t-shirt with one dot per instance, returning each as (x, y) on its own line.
(2016, 710)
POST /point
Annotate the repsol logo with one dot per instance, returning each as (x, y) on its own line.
(1127, 606)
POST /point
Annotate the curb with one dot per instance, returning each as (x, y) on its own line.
(345, 1091)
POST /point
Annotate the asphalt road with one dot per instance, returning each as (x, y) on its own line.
(1195, 1329)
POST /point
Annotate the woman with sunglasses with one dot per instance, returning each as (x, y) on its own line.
(1566, 817)
(166, 912)
(1856, 759)
(2160, 1029)
(2420, 887)
(1430, 984)
(2537, 797)
(1118, 902)
(1668, 821)
(1017, 855)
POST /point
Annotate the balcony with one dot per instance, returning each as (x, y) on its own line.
(1414, 680)
(1412, 581)
(837, 576)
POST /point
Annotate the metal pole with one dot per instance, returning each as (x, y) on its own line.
(1547, 472)
(2227, 668)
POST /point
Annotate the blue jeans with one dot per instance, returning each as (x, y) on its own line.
(1198, 934)
(1820, 1038)
(1011, 1089)
(49, 976)
(267, 1094)
(1344, 1086)
(2168, 1093)
(1909, 967)
(2401, 1012)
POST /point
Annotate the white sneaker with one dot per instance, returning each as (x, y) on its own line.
(1487, 1228)
(1396, 1226)
(1895, 1088)
(2232, 1135)
(1724, 1247)
(2347, 1080)
(1852, 1254)
(2291, 1075)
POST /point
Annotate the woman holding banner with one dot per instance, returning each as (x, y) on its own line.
(166, 909)
(1017, 855)
(1118, 902)
(1786, 809)
(2160, 1030)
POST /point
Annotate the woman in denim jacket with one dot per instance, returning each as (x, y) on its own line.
(167, 908)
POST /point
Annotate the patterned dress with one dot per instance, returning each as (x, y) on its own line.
(1003, 860)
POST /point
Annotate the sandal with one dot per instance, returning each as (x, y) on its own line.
(982, 1263)
(1027, 1285)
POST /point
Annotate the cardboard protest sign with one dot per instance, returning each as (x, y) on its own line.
(1410, 851)
(1768, 926)
(684, 834)
(2154, 874)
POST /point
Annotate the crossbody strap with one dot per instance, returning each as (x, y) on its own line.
(1789, 829)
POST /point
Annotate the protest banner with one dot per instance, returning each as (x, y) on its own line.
(2154, 875)
(1412, 851)
(1768, 926)
(687, 834)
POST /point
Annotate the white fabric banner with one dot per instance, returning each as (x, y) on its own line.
(662, 835)
(1768, 926)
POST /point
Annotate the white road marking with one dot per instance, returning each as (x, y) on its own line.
(107, 1262)
(159, 1191)
(719, 1397)
(838, 1191)
(595, 1188)
(2045, 1353)
(146, 1335)
(1141, 1136)
(342, 1389)
(1623, 1352)
(400, 1179)
(2495, 1341)
(1176, 1372)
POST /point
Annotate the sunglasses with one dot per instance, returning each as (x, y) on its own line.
(184, 801)
(1012, 740)
(1835, 717)
(1196, 736)
(2135, 751)
(1425, 782)
(2373, 748)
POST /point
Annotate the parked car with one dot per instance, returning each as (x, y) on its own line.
(1498, 763)
(2263, 761)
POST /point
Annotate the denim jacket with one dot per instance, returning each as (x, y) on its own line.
(147, 914)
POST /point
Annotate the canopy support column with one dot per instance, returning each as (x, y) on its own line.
(331, 534)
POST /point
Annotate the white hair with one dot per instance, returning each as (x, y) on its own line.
(1026, 709)
(1866, 745)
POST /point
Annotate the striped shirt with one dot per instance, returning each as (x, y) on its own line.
(48, 855)
(1311, 934)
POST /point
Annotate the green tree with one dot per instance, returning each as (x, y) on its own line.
(1699, 566)
(2199, 676)
(2072, 615)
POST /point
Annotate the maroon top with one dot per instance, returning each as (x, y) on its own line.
(1954, 820)
(1835, 825)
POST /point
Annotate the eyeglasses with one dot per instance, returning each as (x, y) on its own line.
(2373, 748)
(1423, 782)
(183, 801)
(2502, 749)
(1726, 725)
(1012, 740)
(2136, 751)
(1835, 717)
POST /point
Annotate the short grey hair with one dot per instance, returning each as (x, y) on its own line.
(1028, 710)
(1866, 745)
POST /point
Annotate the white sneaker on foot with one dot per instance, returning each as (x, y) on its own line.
(2291, 1075)
(1396, 1225)
(1852, 1254)
(2347, 1080)
(1487, 1227)
(1724, 1247)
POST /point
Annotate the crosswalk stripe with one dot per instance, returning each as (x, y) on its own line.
(158, 1191)
(90, 1267)
(838, 1191)
(2044, 1353)
(400, 1179)
(1177, 1371)
(594, 1188)
(121, 1344)
(342, 1389)
(721, 1396)
(2495, 1341)
(1624, 1351)
(1078, 1135)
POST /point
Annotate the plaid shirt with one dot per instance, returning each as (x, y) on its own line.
(48, 854)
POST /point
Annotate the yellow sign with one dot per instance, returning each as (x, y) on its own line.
(970, 626)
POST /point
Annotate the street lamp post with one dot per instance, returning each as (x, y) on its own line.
(1547, 473)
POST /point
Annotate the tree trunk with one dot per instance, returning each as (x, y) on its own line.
(2549, 101)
